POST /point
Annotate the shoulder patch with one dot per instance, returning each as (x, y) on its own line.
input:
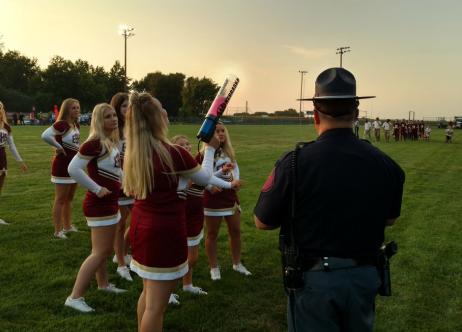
(268, 185)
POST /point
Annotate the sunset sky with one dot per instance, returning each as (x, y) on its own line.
(407, 53)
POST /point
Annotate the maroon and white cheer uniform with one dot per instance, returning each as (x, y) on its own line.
(194, 214)
(226, 202)
(61, 135)
(6, 138)
(103, 171)
(195, 208)
(158, 228)
(124, 199)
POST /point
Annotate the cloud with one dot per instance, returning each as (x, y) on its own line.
(307, 53)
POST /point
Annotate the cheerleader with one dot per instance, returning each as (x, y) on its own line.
(64, 135)
(220, 204)
(120, 103)
(100, 155)
(156, 173)
(195, 218)
(6, 138)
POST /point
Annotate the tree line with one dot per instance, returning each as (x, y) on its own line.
(290, 112)
(24, 85)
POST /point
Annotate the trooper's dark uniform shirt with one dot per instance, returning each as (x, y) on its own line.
(346, 189)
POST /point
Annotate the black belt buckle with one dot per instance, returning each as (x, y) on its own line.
(325, 264)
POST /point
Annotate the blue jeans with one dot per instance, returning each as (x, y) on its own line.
(338, 300)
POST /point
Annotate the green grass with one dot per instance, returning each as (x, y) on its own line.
(37, 272)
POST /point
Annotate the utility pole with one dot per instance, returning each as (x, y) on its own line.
(341, 50)
(126, 32)
(302, 72)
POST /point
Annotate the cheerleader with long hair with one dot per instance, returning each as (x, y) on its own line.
(120, 104)
(223, 204)
(100, 156)
(64, 136)
(6, 138)
(156, 172)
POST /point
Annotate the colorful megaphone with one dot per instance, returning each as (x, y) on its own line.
(217, 108)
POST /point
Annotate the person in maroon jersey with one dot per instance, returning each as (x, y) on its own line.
(414, 129)
(64, 136)
(6, 138)
(409, 131)
(223, 204)
(422, 128)
(100, 156)
(120, 103)
(396, 130)
(403, 130)
(156, 172)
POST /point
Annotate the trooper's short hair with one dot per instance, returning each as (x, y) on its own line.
(339, 109)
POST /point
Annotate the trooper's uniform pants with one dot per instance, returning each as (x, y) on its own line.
(336, 300)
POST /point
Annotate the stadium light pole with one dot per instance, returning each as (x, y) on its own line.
(126, 32)
(302, 72)
(341, 50)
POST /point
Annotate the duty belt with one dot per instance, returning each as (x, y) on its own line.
(334, 263)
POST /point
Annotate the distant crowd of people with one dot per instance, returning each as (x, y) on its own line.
(21, 119)
(18, 119)
(401, 130)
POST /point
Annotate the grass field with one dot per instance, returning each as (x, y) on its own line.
(37, 272)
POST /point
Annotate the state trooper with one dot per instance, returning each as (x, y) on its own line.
(329, 245)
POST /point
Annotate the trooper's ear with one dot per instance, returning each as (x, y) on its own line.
(316, 116)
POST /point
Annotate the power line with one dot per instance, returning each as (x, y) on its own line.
(341, 51)
(126, 32)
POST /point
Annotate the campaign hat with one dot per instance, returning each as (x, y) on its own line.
(335, 84)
